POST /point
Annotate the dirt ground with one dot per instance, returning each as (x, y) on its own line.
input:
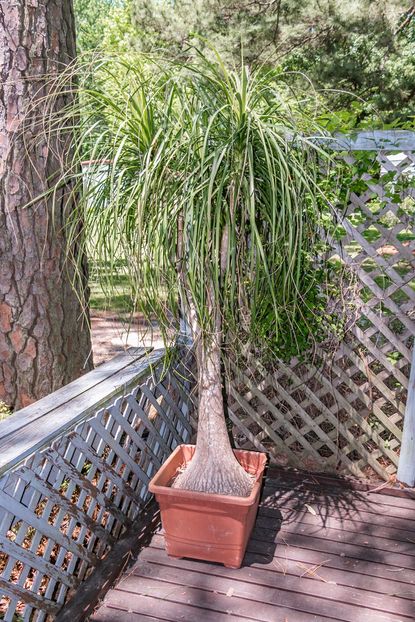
(111, 335)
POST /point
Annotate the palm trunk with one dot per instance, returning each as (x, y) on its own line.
(214, 468)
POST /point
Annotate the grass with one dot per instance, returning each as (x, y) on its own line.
(4, 411)
(118, 301)
(110, 289)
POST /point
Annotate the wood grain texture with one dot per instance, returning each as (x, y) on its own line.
(60, 397)
(300, 566)
(40, 432)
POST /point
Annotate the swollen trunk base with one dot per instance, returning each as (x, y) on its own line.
(219, 477)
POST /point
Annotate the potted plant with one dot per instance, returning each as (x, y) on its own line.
(210, 201)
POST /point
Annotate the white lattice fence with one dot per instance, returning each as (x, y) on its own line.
(344, 410)
(65, 506)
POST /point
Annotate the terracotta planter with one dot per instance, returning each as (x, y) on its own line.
(205, 526)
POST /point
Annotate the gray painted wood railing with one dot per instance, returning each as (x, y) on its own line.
(371, 140)
(74, 471)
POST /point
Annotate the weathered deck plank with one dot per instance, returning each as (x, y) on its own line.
(319, 552)
(286, 578)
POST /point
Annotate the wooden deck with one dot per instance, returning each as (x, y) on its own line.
(321, 550)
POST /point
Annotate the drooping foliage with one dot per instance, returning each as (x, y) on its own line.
(196, 163)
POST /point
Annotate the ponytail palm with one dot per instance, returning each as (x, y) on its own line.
(210, 198)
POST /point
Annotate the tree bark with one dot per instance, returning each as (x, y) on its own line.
(44, 329)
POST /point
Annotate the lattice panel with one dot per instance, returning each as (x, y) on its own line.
(344, 410)
(65, 507)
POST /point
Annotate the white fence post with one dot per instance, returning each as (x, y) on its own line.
(406, 468)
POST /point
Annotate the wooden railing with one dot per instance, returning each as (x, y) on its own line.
(74, 471)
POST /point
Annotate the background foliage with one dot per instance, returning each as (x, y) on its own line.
(201, 181)
(360, 55)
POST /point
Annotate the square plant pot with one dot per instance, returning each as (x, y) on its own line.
(207, 526)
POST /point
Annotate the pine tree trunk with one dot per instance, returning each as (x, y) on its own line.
(214, 468)
(44, 333)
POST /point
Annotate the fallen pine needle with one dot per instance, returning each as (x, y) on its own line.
(284, 541)
(391, 481)
(312, 571)
(284, 570)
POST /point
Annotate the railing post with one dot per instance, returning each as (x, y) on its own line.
(406, 468)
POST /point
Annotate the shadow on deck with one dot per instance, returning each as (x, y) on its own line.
(320, 550)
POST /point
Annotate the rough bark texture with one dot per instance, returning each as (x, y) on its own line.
(44, 335)
(214, 468)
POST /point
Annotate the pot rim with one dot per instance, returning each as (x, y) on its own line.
(203, 497)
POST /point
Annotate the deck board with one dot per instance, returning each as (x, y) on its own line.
(353, 560)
